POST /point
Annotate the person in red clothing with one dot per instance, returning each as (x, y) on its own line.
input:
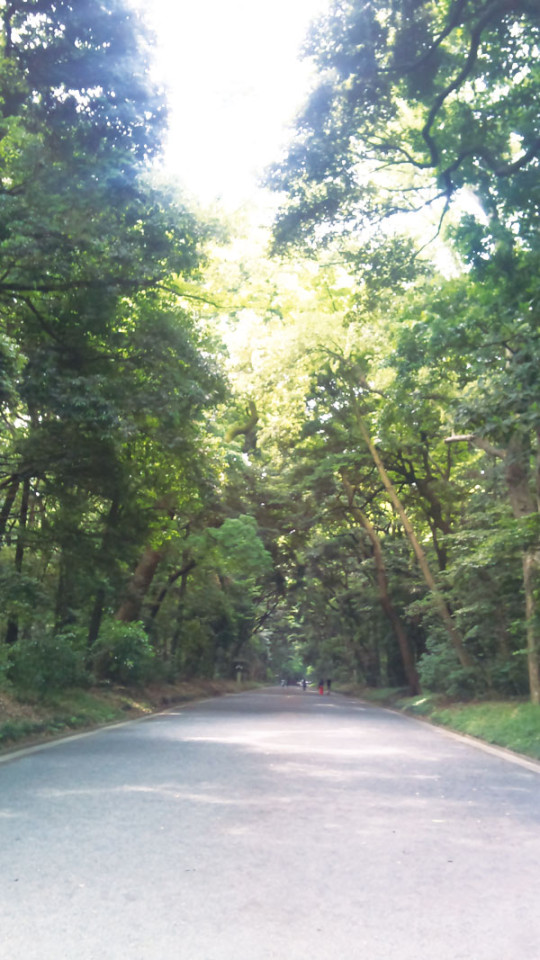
(321, 687)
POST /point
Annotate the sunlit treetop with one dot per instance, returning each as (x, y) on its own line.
(416, 100)
(89, 61)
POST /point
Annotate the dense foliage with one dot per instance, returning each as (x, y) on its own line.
(351, 487)
(417, 100)
(109, 468)
(421, 105)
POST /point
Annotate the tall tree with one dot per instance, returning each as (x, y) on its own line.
(106, 373)
(418, 104)
(489, 348)
(416, 100)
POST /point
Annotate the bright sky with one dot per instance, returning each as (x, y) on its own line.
(235, 82)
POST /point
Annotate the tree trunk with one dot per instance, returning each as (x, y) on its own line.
(96, 617)
(518, 479)
(524, 503)
(63, 590)
(7, 506)
(407, 657)
(247, 428)
(139, 585)
(453, 633)
(531, 582)
(12, 631)
(145, 570)
(178, 631)
(99, 599)
(189, 565)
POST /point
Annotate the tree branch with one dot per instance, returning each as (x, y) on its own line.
(63, 286)
(476, 35)
(479, 442)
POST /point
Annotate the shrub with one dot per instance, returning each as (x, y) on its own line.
(441, 672)
(49, 663)
(510, 677)
(4, 665)
(123, 653)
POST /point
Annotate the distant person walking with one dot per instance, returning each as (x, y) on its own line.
(321, 687)
(328, 686)
(304, 683)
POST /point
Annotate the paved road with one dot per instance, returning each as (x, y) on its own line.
(269, 825)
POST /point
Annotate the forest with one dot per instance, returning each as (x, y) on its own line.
(313, 452)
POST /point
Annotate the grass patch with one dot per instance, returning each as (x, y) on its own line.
(514, 724)
(383, 695)
(12, 730)
(28, 719)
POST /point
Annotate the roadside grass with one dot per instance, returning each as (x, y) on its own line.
(26, 719)
(514, 724)
(385, 696)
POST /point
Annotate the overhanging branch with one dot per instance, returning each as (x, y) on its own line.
(479, 442)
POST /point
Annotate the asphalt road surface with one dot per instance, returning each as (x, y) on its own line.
(276, 824)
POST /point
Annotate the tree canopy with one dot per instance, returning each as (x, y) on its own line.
(416, 101)
(324, 463)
